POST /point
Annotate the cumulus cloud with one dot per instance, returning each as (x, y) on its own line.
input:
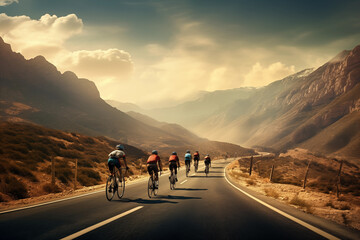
(100, 64)
(7, 2)
(261, 76)
(47, 37)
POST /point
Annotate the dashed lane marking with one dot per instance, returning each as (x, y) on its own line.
(100, 224)
(183, 181)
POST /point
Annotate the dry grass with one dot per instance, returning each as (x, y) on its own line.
(270, 192)
(251, 182)
(296, 200)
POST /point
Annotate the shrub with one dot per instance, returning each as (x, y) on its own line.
(345, 207)
(251, 182)
(330, 204)
(14, 188)
(69, 153)
(21, 171)
(84, 163)
(301, 203)
(50, 188)
(64, 174)
(271, 193)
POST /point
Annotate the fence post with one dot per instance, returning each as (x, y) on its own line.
(258, 166)
(306, 174)
(338, 180)
(271, 172)
(76, 169)
(251, 163)
(52, 171)
(140, 165)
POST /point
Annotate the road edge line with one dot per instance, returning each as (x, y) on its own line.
(302, 223)
(100, 224)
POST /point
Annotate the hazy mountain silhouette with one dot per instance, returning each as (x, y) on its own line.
(35, 91)
(317, 110)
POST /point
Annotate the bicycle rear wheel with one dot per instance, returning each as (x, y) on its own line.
(187, 170)
(207, 170)
(156, 189)
(110, 188)
(172, 182)
(150, 187)
(120, 180)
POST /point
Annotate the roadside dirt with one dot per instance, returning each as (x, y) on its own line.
(345, 210)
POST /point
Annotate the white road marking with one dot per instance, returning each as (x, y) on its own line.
(183, 181)
(100, 224)
(302, 223)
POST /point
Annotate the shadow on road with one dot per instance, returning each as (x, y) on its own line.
(177, 197)
(216, 167)
(155, 200)
(192, 189)
(206, 176)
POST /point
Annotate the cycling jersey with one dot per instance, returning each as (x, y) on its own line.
(196, 156)
(207, 160)
(116, 154)
(173, 158)
(187, 157)
(153, 158)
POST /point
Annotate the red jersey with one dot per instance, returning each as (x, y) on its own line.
(173, 158)
(153, 158)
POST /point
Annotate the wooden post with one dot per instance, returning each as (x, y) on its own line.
(338, 182)
(271, 172)
(76, 169)
(251, 163)
(306, 174)
(52, 171)
(140, 165)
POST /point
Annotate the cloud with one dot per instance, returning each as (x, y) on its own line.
(7, 2)
(47, 37)
(99, 64)
(261, 76)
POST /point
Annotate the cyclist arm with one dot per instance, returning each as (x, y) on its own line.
(178, 162)
(126, 166)
(159, 163)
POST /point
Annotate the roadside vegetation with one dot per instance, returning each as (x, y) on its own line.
(26, 152)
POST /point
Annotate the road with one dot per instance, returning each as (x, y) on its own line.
(200, 208)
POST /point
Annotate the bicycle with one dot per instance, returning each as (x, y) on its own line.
(187, 169)
(196, 165)
(172, 180)
(115, 183)
(152, 189)
(206, 169)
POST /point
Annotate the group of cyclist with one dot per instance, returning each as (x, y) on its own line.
(154, 162)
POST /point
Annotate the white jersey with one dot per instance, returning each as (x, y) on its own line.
(117, 154)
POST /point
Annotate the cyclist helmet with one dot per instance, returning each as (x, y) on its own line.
(187, 151)
(174, 153)
(154, 152)
(120, 147)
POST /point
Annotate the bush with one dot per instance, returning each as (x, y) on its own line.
(50, 188)
(64, 174)
(301, 203)
(271, 193)
(88, 177)
(251, 182)
(14, 188)
(69, 153)
(21, 171)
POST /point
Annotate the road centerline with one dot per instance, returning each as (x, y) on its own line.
(100, 224)
(183, 181)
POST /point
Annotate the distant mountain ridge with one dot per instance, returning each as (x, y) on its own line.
(315, 109)
(35, 91)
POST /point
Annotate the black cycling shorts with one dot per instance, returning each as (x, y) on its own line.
(173, 165)
(113, 162)
(152, 167)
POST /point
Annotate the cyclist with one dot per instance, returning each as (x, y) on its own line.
(152, 165)
(196, 158)
(174, 163)
(114, 158)
(187, 159)
(207, 160)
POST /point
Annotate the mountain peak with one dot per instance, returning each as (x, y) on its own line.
(340, 56)
(4, 47)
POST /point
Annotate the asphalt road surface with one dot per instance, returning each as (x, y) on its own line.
(199, 208)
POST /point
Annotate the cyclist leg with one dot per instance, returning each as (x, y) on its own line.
(111, 165)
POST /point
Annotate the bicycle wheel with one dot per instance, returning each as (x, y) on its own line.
(120, 180)
(196, 167)
(187, 170)
(172, 182)
(110, 188)
(156, 189)
(150, 187)
(207, 170)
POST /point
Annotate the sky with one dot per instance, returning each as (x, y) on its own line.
(160, 53)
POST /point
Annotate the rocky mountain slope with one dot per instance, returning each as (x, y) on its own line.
(315, 109)
(35, 91)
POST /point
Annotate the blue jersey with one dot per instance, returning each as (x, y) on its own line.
(187, 157)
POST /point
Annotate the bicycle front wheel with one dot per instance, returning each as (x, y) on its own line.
(120, 180)
(110, 188)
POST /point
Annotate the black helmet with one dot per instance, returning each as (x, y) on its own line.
(154, 152)
(187, 151)
(174, 153)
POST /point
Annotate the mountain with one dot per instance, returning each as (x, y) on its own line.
(124, 107)
(314, 109)
(35, 91)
